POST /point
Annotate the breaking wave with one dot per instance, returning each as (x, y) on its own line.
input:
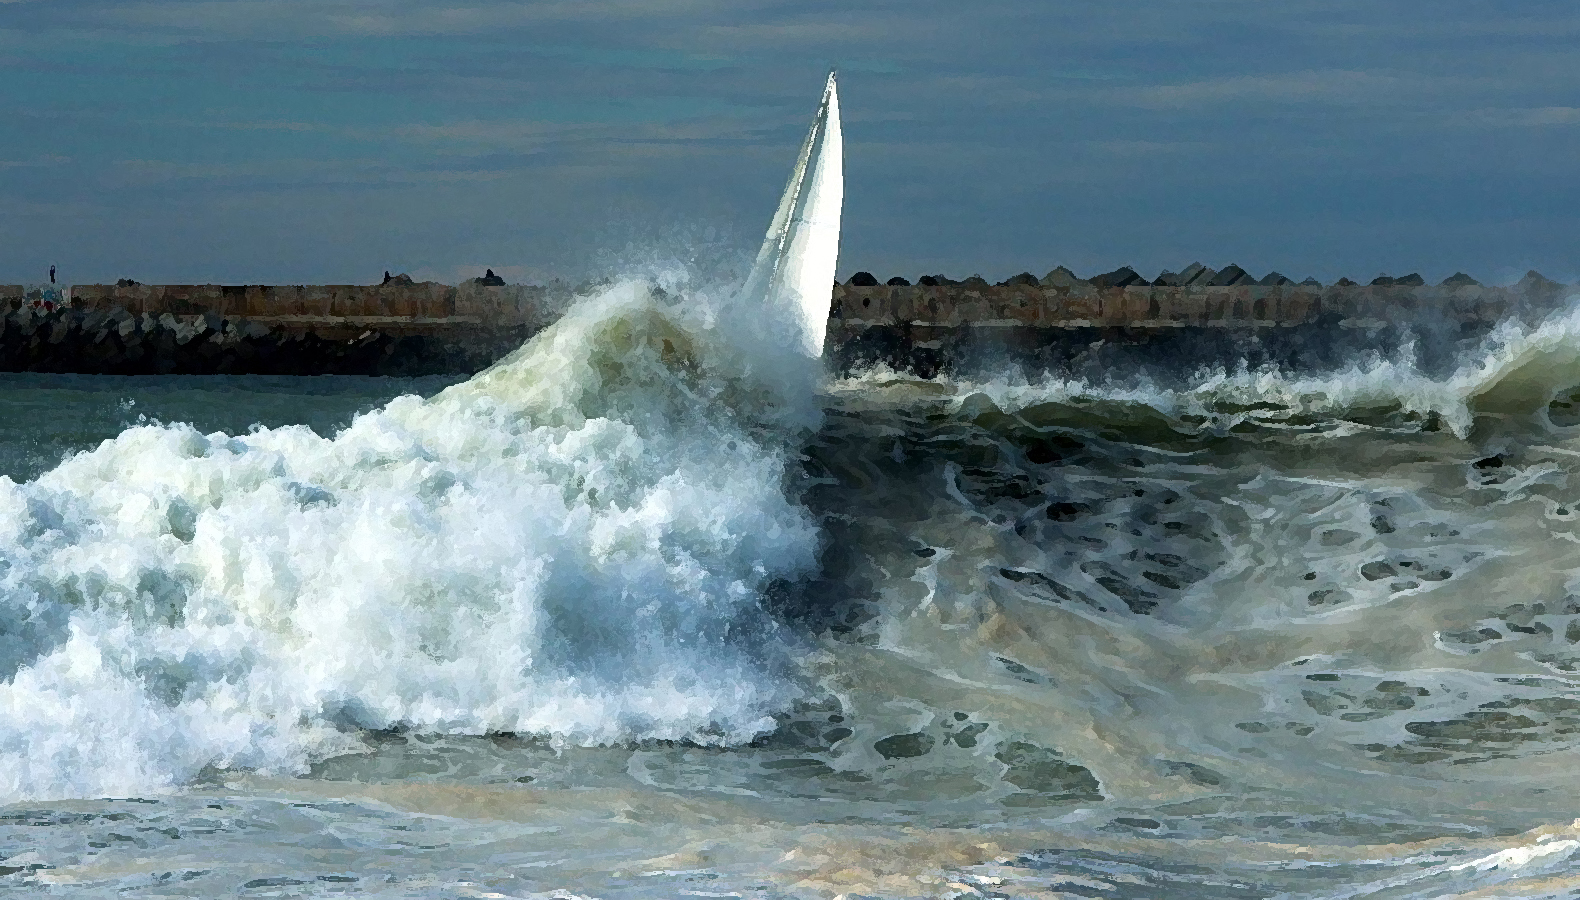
(1517, 370)
(571, 544)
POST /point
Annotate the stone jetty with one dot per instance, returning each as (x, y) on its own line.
(401, 327)
(1060, 321)
(397, 328)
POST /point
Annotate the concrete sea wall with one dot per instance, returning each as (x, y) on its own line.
(427, 328)
(1094, 330)
(394, 329)
(1158, 307)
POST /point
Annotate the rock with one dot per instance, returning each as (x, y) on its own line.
(976, 281)
(1023, 279)
(897, 281)
(1124, 276)
(1198, 275)
(1344, 282)
(125, 282)
(937, 281)
(1311, 282)
(402, 278)
(1272, 279)
(862, 279)
(927, 281)
(490, 279)
(1535, 280)
(1167, 279)
(1389, 281)
(1460, 279)
(1411, 280)
(1230, 276)
(1061, 277)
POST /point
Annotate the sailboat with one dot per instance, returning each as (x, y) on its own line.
(794, 270)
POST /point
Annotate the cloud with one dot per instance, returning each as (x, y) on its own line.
(1534, 117)
(41, 162)
(292, 174)
(1312, 86)
(820, 29)
(1143, 149)
(532, 136)
(280, 18)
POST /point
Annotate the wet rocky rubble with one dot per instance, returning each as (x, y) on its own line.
(399, 327)
(1193, 275)
(1178, 320)
(1059, 321)
(119, 342)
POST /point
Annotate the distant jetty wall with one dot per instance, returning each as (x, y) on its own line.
(290, 305)
(427, 328)
(1165, 307)
(392, 329)
(1097, 329)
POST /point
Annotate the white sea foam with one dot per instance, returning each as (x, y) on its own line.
(1518, 369)
(573, 544)
(1371, 383)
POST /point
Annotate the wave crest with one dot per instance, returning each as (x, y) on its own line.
(571, 544)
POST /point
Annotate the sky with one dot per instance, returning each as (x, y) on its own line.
(326, 141)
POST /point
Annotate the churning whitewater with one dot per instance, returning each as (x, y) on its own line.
(571, 544)
(657, 606)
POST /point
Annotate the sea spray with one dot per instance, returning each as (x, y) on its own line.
(1518, 369)
(572, 544)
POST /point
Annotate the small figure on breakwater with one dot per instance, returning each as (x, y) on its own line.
(51, 274)
(490, 279)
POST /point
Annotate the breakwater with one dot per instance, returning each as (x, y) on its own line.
(1074, 324)
(428, 328)
(391, 329)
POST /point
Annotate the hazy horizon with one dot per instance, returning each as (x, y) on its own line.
(240, 141)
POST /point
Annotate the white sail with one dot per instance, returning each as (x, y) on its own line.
(795, 267)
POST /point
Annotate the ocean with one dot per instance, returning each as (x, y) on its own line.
(656, 607)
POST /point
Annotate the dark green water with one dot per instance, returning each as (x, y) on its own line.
(45, 417)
